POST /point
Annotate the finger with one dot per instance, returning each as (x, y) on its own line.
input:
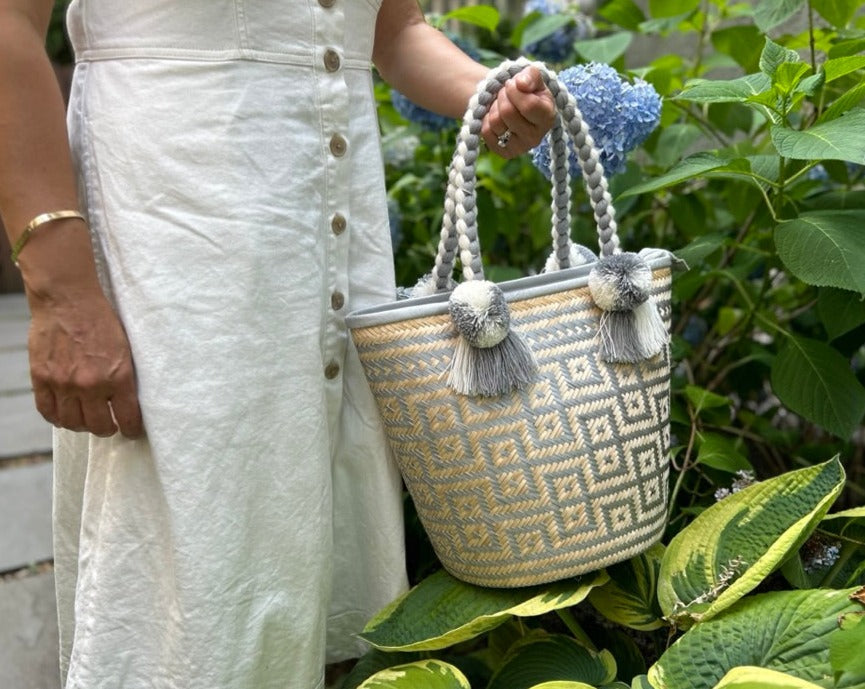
(530, 81)
(127, 412)
(46, 403)
(492, 127)
(69, 413)
(97, 417)
(511, 118)
(536, 107)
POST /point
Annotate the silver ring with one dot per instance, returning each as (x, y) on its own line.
(504, 139)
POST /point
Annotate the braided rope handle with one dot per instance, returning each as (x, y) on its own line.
(459, 225)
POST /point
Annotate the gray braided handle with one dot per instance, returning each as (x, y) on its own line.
(459, 225)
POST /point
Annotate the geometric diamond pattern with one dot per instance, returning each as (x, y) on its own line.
(566, 476)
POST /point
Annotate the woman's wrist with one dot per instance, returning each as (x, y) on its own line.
(57, 264)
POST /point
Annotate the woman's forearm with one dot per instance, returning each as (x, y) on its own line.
(421, 62)
(36, 174)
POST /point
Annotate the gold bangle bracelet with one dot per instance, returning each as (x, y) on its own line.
(42, 219)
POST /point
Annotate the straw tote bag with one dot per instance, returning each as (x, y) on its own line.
(529, 419)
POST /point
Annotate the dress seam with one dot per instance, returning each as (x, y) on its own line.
(232, 54)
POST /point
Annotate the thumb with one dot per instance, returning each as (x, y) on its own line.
(530, 81)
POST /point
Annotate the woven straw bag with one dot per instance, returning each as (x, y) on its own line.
(542, 453)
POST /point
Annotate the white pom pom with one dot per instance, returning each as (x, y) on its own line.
(479, 311)
(489, 358)
(631, 329)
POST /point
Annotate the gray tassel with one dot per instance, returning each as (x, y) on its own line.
(631, 328)
(489, 359)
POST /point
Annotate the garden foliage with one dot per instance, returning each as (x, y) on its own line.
(755, 176)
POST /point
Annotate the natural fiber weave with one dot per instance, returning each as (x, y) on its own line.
(563, 477)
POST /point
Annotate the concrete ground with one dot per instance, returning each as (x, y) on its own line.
(28, 624)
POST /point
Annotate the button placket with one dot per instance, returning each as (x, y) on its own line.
(335, 128)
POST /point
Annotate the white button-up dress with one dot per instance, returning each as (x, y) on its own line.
(229, 164)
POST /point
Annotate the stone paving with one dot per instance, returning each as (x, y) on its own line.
(28, 622)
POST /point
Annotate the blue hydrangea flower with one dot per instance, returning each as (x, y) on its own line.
(818, 553)
(620, 115)
(559, 45)
(428, 119)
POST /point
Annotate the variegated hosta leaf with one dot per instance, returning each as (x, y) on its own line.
(563, 685)
(442, 611)
(429, 674)
(786, 631)
(545, 658)
(630, 597)
(371, 662)
(734, 544)
(749, 677)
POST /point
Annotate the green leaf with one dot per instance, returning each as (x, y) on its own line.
(673, 141)
(607, 49)
(625, 13)
(838, 139)
(485, 16)
(786, 631)
(671, 8)
(429, 674)
(811, 85)
(690, 167)
(704, 399)
(563, 684)
(837, 12)
(734, 544)
(701, 247)
(725, 90)
(750, 677)
(789, 74)
(742, 43)
(840, 311)
(442, 611)
(719, 452)
(770, 13)
(842, 66)
(815, 381)
(851, 46)
(773, 56)
(542, 658)
(845, 649)
(371, 662)
(846, 101)
(641, 682)
(825, 248)
(541, 27)
(629, 598)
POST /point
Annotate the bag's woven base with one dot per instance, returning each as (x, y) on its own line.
(564, 477)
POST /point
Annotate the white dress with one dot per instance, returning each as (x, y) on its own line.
(229, 164)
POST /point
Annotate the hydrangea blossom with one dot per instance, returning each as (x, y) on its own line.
(558, 45)
(620, 115)
(427, 118)
(819, 553)
(744, 478)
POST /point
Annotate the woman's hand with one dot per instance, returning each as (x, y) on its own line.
(80, 360)
(81, 366)
(521, 115)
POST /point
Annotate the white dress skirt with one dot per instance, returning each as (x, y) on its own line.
(229, 164)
